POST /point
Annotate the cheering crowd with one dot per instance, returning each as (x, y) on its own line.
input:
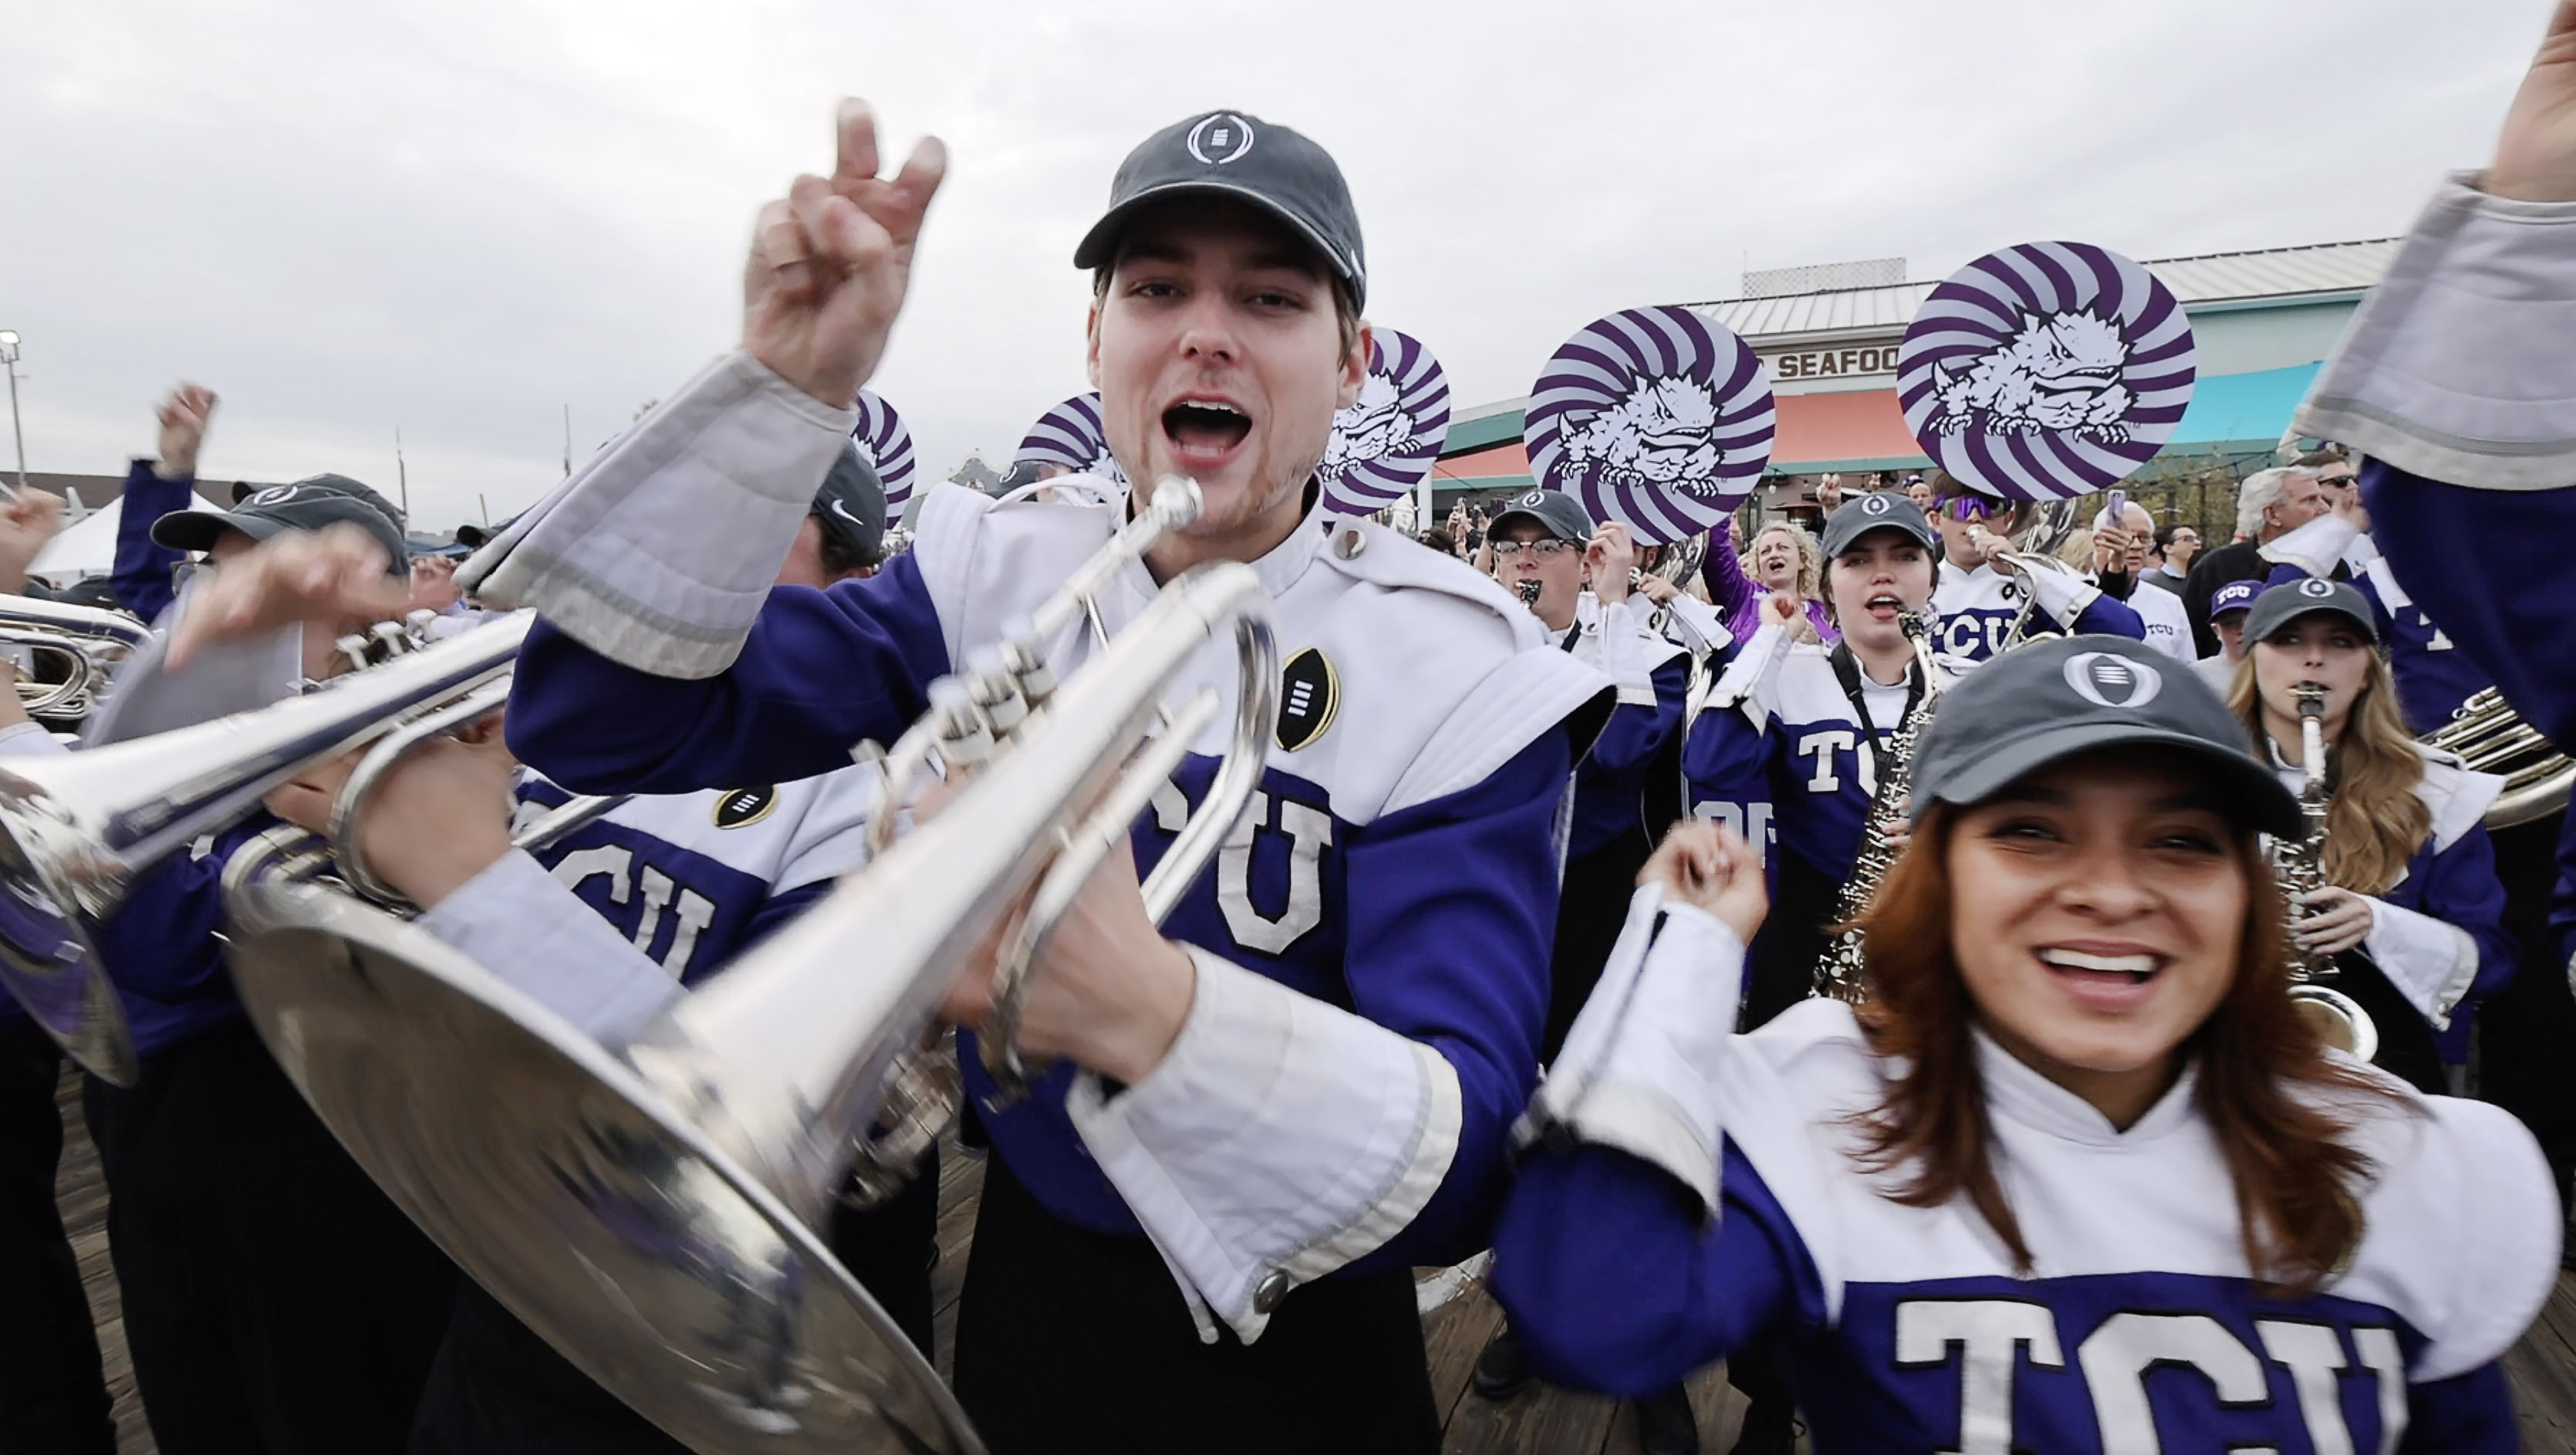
(2156, 1108)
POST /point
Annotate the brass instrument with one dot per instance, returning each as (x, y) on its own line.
(76, 830)
(2490, 737)
(88, 642)
(650, 1209)
(1842, 971)
(2025, 566)
(2300, 867)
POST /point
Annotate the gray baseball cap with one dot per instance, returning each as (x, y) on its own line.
(1237, 156)
(2032, 706)
(1880, 510)
(2281, 605)
(1557, 513)
(304, 505)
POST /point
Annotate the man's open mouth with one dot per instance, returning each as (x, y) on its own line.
(1205, 426)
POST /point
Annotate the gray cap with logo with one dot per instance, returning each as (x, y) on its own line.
(305, 505)
(1881, 510)
(1559, 514)
(2032, 706)
(852, 505)
(1242, 158)
(2281, 605)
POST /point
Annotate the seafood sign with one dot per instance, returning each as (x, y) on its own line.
(2046, 371)
(1386, 441)
(1655, 417)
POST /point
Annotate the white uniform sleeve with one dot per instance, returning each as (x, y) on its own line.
(1696, 620)
(1277, 1134)
(832, 838)
(2431, 962)
(29, 740)
(1751, 681)
(622, 558)
(2495, 1214)
(2456, 367)
(1625, 656)
(1639, 1071)
(2316, 547)
(517, 922)
(2063, 595)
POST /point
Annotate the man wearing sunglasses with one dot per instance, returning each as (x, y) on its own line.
(1978, 602)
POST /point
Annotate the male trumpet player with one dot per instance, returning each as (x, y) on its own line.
(1198, 1232)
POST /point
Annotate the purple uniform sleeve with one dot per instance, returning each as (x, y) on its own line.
(143, 569)
(2467, 1414)
(1726, 773)
(1730, 590)
(1615, 1282)
(821, 672)
(2459, 887)
(1635, 730)
(2562, 899)
(2491, 566)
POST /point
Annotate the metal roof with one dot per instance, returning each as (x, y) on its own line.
(2270, 273)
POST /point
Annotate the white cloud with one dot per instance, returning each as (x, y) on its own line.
(353, 219)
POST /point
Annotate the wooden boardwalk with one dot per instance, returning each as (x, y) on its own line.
(1544, 1421)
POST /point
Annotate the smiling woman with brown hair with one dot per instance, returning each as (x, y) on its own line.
(2078, 1175)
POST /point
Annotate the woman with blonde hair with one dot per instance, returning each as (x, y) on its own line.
(2412, 913)
(2077, 1176)
(1786, 560)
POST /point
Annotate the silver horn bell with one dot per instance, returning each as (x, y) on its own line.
(651, 1210)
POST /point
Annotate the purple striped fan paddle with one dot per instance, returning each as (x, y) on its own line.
(1385, 443)
(1656, 417)
(2046, 371)
(887, 442)
(1070, 435)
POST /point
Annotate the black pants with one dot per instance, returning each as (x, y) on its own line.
(499, 1389)
(53, 1398)
(275, 1302)
(1589, 916)
(2524, 1032)
(1071, 1342)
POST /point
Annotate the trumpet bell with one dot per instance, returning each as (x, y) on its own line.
(556, 1177)
(46, 961)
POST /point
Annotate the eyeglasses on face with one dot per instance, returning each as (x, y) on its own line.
(1541, 550)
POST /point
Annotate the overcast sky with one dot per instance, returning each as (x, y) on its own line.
(455, 220)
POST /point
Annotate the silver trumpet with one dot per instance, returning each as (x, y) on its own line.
(650, 1209)
(87, 641)
(76, 830)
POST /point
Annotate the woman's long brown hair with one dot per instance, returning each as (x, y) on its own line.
(2298, 1184)
(2376, 820)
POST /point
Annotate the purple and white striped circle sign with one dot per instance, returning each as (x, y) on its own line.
(1070, 435)
(887, 442)
(1384, 444)
(2046, 371)
(1655, 417)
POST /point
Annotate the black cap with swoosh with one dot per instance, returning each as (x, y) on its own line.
(852, 505)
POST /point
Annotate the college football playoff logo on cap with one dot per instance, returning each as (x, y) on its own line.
(2107, 679)
(1310, 694)
(1875, 505)
(275, 495)
(2316, 587)
(740, 808)
(1221, 138)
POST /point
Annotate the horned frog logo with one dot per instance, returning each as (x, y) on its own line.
(1371, 429)
(2061, 372)
(1657, 434)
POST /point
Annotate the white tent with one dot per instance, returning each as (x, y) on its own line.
(85, 549)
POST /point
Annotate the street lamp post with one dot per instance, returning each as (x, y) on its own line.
(9, 358)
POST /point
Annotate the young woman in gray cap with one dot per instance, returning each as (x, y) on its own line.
(2412, 910)
(2078, 1176)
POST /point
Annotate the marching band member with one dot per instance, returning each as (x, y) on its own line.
(1979, 604)
(2433, 677)
(53, 1389)
(1626, 793)
(2413, 897)
(1306, 1088)
(274, 1300)
(677, 887)
(2078, 1176)
(1788, 744)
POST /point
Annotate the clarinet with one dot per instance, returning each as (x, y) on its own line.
(2300, 867)
(1529, 591)
(1840, 971)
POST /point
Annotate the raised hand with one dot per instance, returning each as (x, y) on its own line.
(1711, 867)
(334, 575)
(831, 260)
(184, 416)
(438, 817)
(1608, 557)
(27, 523)
(2535, 159)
